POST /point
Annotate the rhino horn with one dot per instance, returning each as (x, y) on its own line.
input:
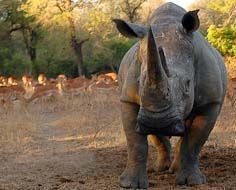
(156, 72)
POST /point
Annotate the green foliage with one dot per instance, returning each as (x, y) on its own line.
(218, 23)
(15, 64)
(219, 13)
(108, 60)
(45, 27)
(53, 68)
(224, 39)
(119, 48)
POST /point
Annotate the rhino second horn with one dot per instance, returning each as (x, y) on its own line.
(156, 73)
(163, 61)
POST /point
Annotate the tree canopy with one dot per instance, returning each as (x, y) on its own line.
(218, 23)
(77, 37)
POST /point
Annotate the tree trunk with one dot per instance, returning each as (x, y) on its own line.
(67, 6)
(77, 46)
(79, 55)
(30, 40)
(112, 67)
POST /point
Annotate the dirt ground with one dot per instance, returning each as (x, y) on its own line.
(77, 143)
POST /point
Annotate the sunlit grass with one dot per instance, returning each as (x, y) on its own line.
(91, 117)
(17, 128)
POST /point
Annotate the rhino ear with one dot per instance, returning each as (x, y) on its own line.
(190, 21)
(130, 30)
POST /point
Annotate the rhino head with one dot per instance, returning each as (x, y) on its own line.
(166, 83)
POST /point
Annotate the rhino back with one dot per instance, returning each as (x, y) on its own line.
(210, 73)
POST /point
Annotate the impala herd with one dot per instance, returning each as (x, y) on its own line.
(27, 89)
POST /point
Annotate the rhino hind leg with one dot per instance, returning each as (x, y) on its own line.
(204, 121)
(175, 164)
(135, 174)
(163, 146)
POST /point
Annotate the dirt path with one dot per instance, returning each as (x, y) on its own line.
(54, 160)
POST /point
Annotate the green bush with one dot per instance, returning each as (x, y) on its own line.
(16, 65)
(110, 58)
(224, 39)
(52, 68)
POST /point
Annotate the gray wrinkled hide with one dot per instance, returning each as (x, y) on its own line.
(196, 89)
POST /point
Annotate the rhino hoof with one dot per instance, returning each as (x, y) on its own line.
(163, 165)
(174, 167)
(134, 179)
(172, 170)
(190, 177)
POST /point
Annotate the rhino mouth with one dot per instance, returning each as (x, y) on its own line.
(159, 123)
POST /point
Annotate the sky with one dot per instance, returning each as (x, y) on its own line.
(182, 3)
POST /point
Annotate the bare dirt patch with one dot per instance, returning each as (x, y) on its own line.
(77, 142)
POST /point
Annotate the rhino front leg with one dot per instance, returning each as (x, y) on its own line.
(135, 175)
(204, 121)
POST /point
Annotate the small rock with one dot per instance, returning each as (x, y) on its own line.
(82, 182)
(152, 183)
(65, 180)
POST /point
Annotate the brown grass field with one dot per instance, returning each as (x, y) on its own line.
(77, 143)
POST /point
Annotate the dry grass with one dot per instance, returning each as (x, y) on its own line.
(224, 132)
(84, 115)
(77, 142)
(231, 66)
(16, 129)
